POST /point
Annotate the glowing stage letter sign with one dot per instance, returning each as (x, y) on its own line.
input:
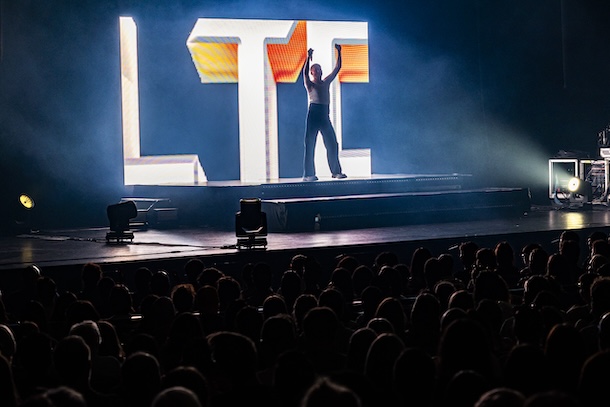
(256, 54)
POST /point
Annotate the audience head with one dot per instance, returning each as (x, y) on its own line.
(391, 308)
(273, 305)
(176, 396)
(501, 397)
(485, 259)
(302, 305)
(526, 252)
(326, 393)
(320, 327)
(385, 258)
(72, 360)
(229, 290)
(120, 300)
(190, 378)
(348, 262)
(160, 283)
(90, 332)
(64, 396)
(141, 378)
(462, 299)
(192, 269)
(91, 273)
(209, 276)
(183, 297)
(142, 279)
(504, 253)
(467, 254)
(538, 261)
(600, 296)
(234, 357)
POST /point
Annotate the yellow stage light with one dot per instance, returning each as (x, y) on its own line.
(26, 201)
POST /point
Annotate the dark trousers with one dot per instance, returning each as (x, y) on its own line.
(318, 120)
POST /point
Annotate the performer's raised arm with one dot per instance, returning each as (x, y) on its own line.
(335, 71)
(306, 79)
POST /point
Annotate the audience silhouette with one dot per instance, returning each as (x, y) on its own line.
(478, 329)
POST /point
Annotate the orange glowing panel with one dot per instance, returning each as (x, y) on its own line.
(216, 62)
(355, 63)
(287, 60)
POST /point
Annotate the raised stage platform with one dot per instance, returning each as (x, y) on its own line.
(380, 200)
(374, 210)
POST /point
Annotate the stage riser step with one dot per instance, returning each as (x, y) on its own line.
(351, 187)
(364, 211)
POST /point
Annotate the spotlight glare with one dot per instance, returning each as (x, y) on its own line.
(574, 184)
(26, 201)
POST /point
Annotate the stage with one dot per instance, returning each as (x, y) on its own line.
(330, 204)
(61, 253)
(326, 219)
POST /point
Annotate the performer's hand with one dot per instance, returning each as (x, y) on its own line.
(338, 47)
(310, 53)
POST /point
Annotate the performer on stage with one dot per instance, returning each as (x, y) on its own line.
(318, 119)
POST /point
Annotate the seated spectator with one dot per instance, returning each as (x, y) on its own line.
(105, 370)
(72, 361)
(142, 286)
(293, 374)
(291, 286)
(8, 390)
(319, 340)
(414, 378)
(593, 380)
(417, 279)
(229, 290)
(207, 304)
(379, 365)
(33, 363)
(141, 379)
(467, 256)
(233, 378)
(424, 327)
(183, 297)
(160, 283)
(262, 277)
(362, 277)
(192, 271)
(505, 263)
(278, 335)
(185, 344)
(121, 312)
(8, 344)
(91, 274)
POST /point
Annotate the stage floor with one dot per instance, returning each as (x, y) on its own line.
(61, 253)
(57, 248)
